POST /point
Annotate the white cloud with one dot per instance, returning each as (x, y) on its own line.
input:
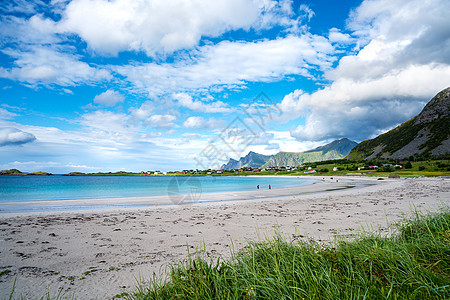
(309, 13)
(388, 81)
(109, 98)
(45, 65)
(202, 123)
(211, 107)
(41, 55)
(67, 91)
(5, 114)
(44, 50)
(272, 146)
(369, 106)
(144, 111)
(107, 142)
(14, 136)
(116, 124)
(336, 36)
(162, 121)
(167, 26)
(234, 64)
(421, 28)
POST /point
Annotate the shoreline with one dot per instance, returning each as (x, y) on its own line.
(86, 205)
(101, 253)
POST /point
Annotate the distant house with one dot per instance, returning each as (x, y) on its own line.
(373, 167)
(219, 172)
(156, 173)
(335, 169)
(310, 172)
(360, 168)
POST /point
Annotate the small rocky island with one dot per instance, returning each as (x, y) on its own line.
(17, 172)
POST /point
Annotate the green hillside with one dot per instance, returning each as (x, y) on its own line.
(335, 150)
(295, 159)
(426, 134)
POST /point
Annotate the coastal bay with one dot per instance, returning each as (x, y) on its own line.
(100, 253)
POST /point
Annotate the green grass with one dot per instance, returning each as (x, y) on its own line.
(413, 264)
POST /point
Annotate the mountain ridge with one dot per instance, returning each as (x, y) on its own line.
(252, 160)
(335, 150)
(425, 134)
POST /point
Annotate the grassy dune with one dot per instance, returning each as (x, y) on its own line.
(413, 264)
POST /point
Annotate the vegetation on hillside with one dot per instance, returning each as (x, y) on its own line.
(426, 131)
(294, 158)
(17, 172)
(335, 150)
(391, 141)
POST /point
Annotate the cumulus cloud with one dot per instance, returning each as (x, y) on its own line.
(336, 36)
(117, 124)
(385, 83)
(400, 33)
(109, 98)
(211, 107)
(13, 136)
(92, 149)
(167, 26)
(44, 52)
(370, 106)
(46, 65)
(162, 121)
(234, 63)
(154, 26)
(144, 111)
(202, 123)
(41, 55)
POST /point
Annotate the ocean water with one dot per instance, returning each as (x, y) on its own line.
(17, 188)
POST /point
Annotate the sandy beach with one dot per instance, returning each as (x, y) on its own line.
(97, 254)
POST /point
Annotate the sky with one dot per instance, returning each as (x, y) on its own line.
(97, 85)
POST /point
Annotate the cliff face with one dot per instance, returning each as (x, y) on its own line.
(426, 133)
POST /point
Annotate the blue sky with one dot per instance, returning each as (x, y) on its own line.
(96, 85)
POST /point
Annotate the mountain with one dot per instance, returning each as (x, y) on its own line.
(252, 159)
(427, 133)
(335, 150)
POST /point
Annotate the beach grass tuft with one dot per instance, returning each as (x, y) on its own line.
(412, 264)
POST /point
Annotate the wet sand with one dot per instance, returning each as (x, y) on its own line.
(98, 253)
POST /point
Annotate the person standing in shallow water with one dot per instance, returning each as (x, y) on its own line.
(269, 187)
(257, 187)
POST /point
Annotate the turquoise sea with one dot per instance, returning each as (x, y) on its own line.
(17, 188)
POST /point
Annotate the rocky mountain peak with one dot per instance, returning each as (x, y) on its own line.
(438, 107)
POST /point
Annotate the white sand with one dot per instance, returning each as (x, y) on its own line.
(44, 250)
